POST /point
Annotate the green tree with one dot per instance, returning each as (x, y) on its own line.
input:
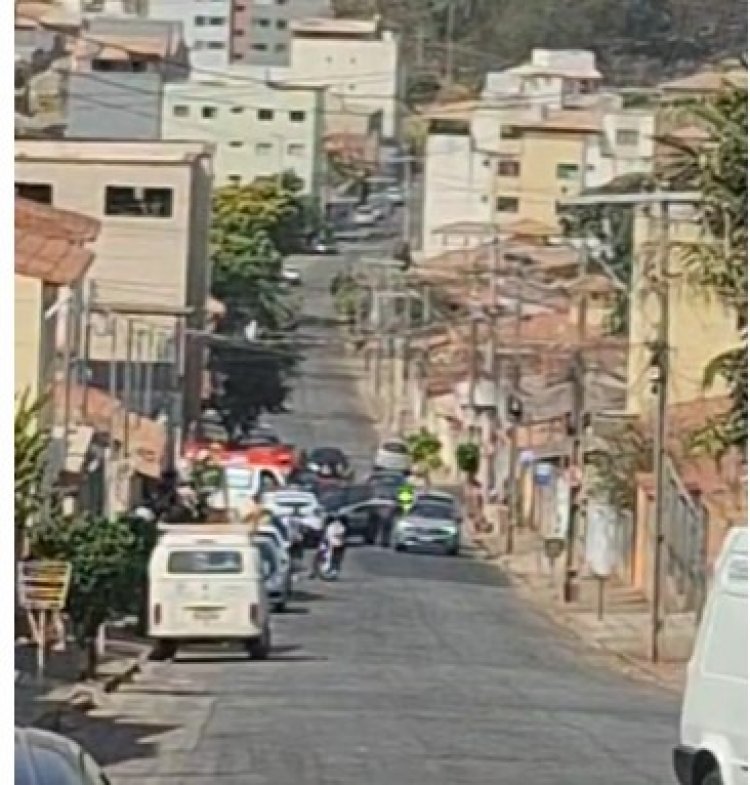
(467, 459)
(106, 570)
(253, 227)
(718, 260)
(425, 450)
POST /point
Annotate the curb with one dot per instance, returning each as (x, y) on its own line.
(634, 668)
(83, 694)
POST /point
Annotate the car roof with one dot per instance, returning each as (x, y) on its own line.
(29, 739)
(437, 496)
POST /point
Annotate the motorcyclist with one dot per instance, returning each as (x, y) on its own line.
(333, 540)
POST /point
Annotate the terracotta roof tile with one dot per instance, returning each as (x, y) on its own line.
(147, 438)
(49, 243)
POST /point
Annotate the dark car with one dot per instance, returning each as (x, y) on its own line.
(329, 462)
(45, 758)
(361, 507)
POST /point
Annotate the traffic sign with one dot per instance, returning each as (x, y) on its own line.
(43, 585)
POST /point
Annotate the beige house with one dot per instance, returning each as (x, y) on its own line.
(151, 273)
(51, 260)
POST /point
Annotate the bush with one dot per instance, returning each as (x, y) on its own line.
(467, 458)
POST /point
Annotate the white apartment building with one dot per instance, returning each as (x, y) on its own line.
(207, 27)
(625, 146)
(256, 130)
(152, 200)
(541, 130)
(357, 60)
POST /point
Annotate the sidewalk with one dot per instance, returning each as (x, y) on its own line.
(42, 702)
(622, 633)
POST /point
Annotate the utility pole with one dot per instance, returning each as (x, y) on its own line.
(406, 212)
(420, 45)
(451, 11)
(492, 367)
(661, 361)
(577, 452)
(515, 394)
(473, 375)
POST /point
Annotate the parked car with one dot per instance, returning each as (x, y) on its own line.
(46, 758)
(322, 247)
(394, 194)
(364, 215)
(329, 462)
(291, 275)
(393, 454)
(428, 525)
(712, 748)
(277, 577)
(301, 505)
(355, 504)
(205, 584)
(442, 497)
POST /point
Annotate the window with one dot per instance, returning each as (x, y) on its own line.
(239, 33)
(279, 48)
(281, 24)
(627, 137)
(130, 200)
(506, 204)
(237, 109)
(200, 21)
(262, 22)
(209, 112)
(260, 47)
(199, 45)
(263, 148)
(234, 179)
(509, 168)
(236, 144)
(297, 117)
(204, 562)
(216, 45)
(265, 114)
(217, 21)
(568, 171)
(509, 132)
(37, 192)
(296, 150)
(181, 110)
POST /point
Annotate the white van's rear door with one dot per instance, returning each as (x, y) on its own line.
(213, 591)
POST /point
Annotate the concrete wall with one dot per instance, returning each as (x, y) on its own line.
(700, 326)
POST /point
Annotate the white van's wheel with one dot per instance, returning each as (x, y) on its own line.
(712, 777)
(260, 648)
(164, 650)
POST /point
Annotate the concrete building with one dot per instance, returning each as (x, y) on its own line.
(151, 273)
(207, 27)
(261, 29)
(357, 60)
(541, 131)
(118, 73)
(256, 130)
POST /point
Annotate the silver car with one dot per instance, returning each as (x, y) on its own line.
(45, 758)
(428, 525)
(393, 454)
(443, 497)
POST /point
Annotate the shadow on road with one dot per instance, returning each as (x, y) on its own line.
(114, 740)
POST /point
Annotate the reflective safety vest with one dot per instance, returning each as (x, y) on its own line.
(405, 497)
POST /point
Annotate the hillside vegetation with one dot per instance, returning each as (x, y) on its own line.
(636, 41)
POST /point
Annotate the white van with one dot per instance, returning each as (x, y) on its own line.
(206, 585)
(713, 725)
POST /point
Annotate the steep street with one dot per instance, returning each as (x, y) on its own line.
(411, 669)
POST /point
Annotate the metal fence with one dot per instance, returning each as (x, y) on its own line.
(685, 540)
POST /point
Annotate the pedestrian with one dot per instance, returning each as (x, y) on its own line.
(336, 537)
(390, 513)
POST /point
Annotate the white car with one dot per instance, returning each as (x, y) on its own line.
(393, 454)
(364, 215)
(291, 275)
(394, 194)
(299, 504)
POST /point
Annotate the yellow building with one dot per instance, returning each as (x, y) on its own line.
(541, 161)
(700, 327)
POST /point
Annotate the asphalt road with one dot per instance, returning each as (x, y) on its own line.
(412, 670)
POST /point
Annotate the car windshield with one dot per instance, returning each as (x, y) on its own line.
(396, 447)
(255, 440)
(204, 562)
(429, 509)
(327, 455)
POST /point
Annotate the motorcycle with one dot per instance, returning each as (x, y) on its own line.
(324, 562)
